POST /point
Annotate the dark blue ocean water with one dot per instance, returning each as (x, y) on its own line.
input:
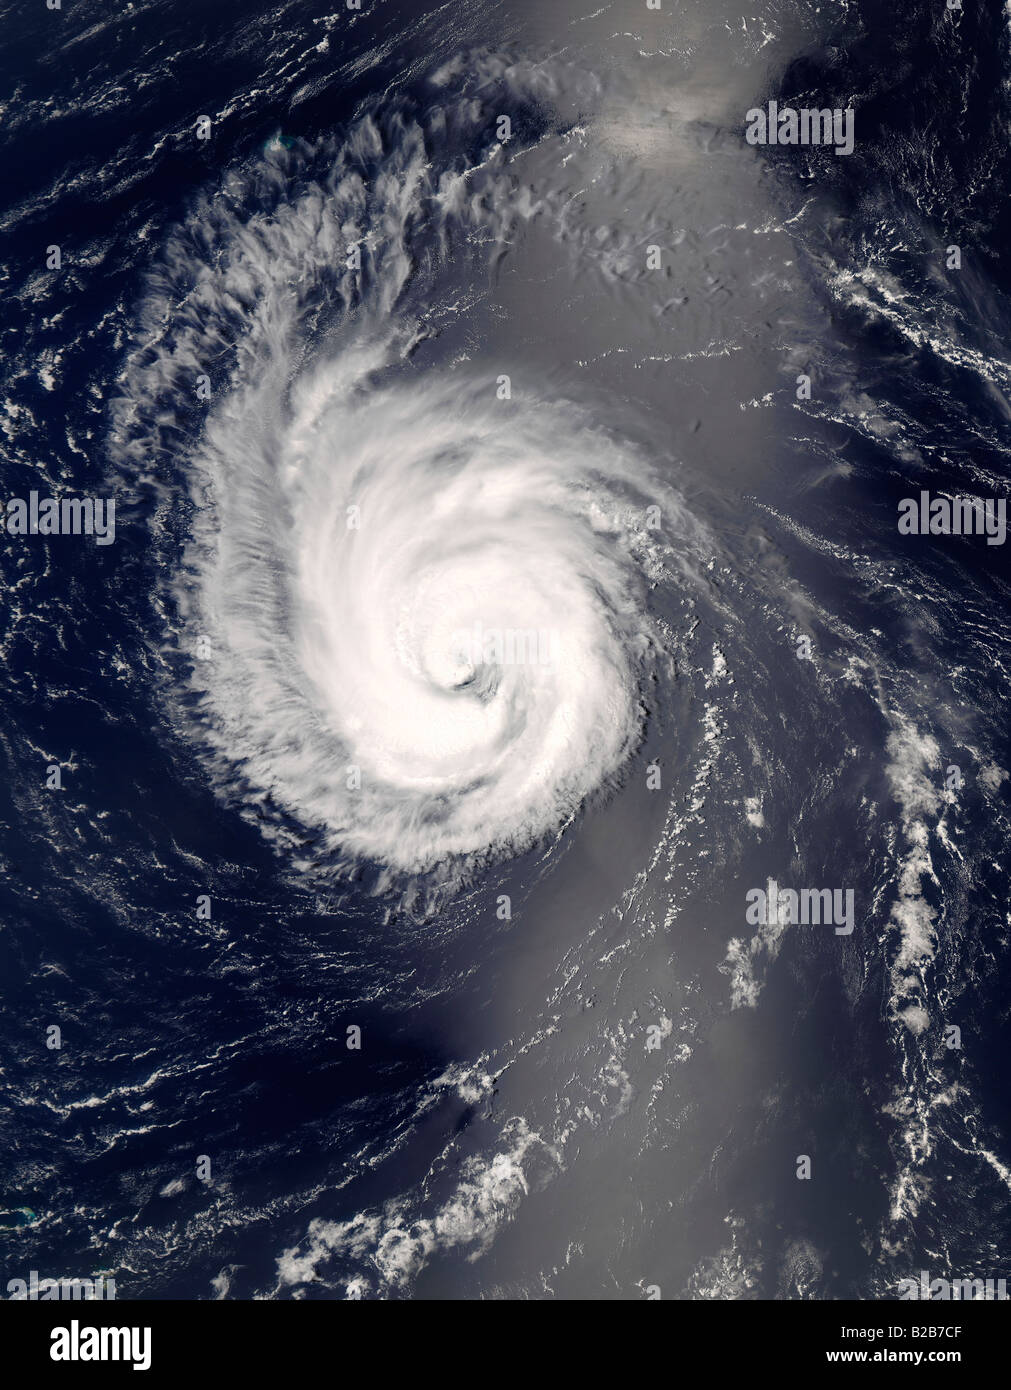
(502, 1105)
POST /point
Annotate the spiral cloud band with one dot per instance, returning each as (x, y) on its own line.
(421, 598)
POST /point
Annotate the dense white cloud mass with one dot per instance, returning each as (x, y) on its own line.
(426, 613)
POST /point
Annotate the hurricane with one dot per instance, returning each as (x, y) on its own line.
(419, 596)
